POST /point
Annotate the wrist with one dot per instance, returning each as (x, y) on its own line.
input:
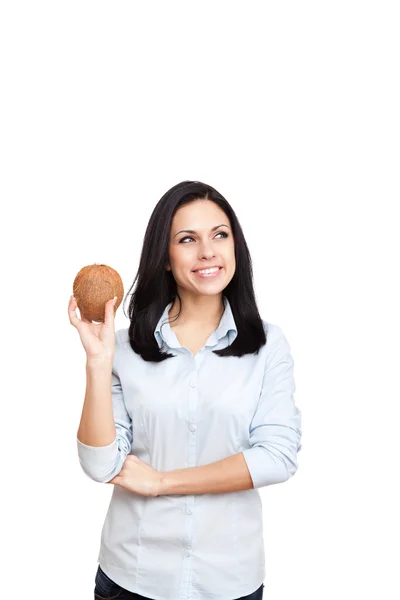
(163, 489)
(99, 363)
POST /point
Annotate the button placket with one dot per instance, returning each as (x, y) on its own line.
(191, 456)
(192, 412)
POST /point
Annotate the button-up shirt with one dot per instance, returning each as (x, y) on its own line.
(188, 411)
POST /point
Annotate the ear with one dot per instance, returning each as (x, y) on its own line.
(168, 267)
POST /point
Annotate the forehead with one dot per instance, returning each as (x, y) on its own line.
(199, 214)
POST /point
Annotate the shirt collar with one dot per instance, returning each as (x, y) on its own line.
(227, 326)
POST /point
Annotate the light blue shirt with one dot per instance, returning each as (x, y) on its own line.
(190, 411)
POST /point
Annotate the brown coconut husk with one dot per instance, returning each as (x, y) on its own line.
(93, 286)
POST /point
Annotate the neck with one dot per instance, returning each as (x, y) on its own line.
(200, 311)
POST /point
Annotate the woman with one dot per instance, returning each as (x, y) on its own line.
(187, 412)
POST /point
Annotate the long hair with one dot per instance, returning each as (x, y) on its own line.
(156, 287)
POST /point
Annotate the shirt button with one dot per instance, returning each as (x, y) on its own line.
(187, 552)
(192, 427)
(192, 383)
(188, 511)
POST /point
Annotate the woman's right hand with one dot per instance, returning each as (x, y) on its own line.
(98, 339)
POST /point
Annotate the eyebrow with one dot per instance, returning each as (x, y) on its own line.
(193, 231)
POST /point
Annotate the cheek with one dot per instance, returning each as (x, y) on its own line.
(232, 262)
(182, 260)
(230, 254)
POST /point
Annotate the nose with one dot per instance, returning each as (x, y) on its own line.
(206, 250)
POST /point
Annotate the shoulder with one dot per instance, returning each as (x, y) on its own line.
(273, 332)
(122, 336)
(276, 339)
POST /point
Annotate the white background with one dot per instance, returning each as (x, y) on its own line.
(291, 110)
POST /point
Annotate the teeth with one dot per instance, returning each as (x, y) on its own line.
(205, 271)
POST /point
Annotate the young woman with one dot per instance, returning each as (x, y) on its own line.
(187, 412)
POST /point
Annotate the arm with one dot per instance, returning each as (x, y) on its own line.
(275, 431)
(275, 436)
(227, 475)
(104, 436)
(97, 427)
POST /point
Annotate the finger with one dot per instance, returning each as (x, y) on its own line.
(109, 312)
(74, 319)
(72, 312)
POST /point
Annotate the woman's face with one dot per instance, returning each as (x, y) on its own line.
(211, 245)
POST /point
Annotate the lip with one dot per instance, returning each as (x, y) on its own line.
(208, 276)
(210, 267)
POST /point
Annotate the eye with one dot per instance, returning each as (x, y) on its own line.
(188, 237)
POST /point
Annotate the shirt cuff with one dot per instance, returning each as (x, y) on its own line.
(99, 462)
(265, 468)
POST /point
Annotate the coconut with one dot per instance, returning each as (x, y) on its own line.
(93, 286)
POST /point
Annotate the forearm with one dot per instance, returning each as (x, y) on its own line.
(227, 475)
(97, 426)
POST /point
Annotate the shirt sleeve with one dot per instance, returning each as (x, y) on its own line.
(275, 430)
(102, 463)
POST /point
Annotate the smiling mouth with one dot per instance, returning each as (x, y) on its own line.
(207, 268)
(208, 274)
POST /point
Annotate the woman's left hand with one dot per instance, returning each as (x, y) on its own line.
(138, 477)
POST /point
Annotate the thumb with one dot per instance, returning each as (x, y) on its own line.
(109, 311)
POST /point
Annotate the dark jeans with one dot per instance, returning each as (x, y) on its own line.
(107, 589)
